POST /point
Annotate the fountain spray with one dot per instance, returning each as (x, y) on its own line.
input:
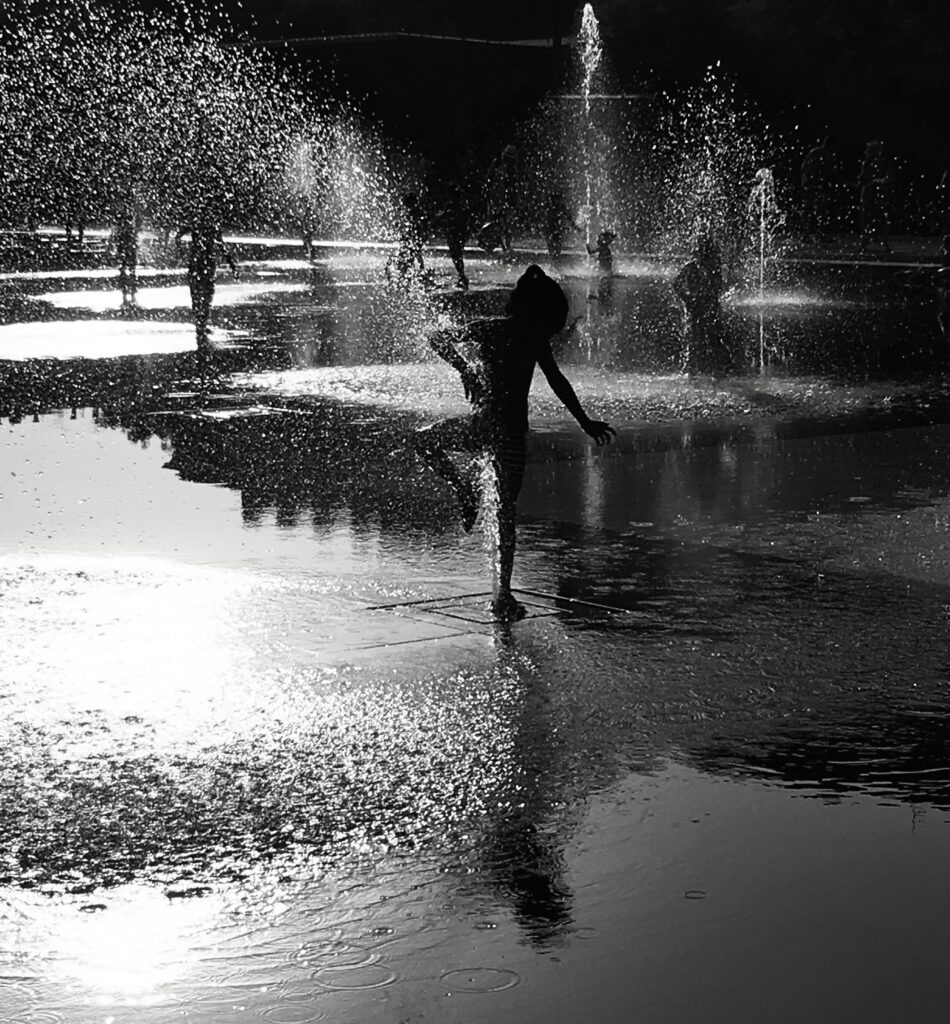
(591, 51)
(764, 218)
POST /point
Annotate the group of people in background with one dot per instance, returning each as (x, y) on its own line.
(461, 209)
(825, 190)
(822, 185)
(453, 211)
(483, 209)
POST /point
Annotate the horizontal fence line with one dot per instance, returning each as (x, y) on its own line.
(547, 43)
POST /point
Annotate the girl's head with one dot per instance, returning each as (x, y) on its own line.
(538, 302)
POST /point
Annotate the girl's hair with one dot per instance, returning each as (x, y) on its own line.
(540, 298)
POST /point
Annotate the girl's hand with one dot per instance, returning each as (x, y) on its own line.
(601, 432)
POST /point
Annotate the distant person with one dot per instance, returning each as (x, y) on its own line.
(125, 238)
(207, 244)
(502, 186)
(558, 218)
(605, 257)
(307, 223)
(408, 261)
(699, 286)
(75, 217)
(496, 359)
(818, 179)
(455, 217)
(942, 290)
(876, 179)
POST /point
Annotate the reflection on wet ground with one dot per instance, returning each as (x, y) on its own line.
(252, 698)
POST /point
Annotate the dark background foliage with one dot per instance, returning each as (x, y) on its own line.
(862, 68)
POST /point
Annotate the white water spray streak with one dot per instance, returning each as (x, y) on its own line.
(592, 51)
(490, 508)
(765, 218)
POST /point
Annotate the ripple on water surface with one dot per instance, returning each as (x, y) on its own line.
(480, 979)
(291, 1013)
(356, 978)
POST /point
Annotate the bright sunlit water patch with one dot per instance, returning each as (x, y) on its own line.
(96, 339)
(643, 268)
(86, 273)
(276, 265)
(623, 267)
(770, 299)
(129, 952)
(175, 297)
(177, 652)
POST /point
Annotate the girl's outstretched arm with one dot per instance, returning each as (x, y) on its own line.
(600, 431)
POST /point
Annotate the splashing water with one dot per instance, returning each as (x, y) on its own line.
(708, 146)
(653, 166)
(490, 508)
(765, 218)
(159, 120)
(591, 54)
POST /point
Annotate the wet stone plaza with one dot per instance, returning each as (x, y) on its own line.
(277, 743)
(267, 756)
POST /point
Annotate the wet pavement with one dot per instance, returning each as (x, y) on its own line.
(267, 757)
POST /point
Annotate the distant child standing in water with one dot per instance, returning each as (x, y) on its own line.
(456, 222)
(605, 258)
(558, 219)
(207, 243)
(699, 287)
(407, 261)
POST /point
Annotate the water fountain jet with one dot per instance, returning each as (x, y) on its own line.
(591, 54)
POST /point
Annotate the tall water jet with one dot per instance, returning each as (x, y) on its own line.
(591, 55)
(490, 511)
(765, 218)
(584, 142)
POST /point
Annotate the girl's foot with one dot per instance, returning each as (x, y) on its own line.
(468, 499)
(506, 609)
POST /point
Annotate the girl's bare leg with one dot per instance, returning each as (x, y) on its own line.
(433, 444)
(509, 461)
(505, 606)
